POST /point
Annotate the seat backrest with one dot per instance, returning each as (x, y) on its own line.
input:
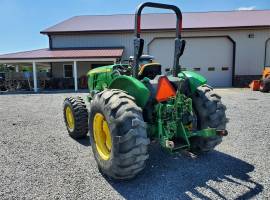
(150, 70)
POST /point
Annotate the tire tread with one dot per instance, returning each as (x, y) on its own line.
(211, 114)
(80, 116)
(131, 142)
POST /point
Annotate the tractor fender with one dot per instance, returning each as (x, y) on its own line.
(195, 79)
(133, 87)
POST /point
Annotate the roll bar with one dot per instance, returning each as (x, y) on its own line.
(138, 42)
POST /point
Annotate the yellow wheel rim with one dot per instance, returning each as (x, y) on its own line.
(102, 136)
(70, 118)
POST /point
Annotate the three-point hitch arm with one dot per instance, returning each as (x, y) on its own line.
(139, 42)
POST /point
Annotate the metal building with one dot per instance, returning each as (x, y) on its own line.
(229, 48)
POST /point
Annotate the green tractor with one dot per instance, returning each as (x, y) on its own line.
(132, 104)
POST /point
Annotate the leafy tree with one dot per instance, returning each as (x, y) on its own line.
(2, 67)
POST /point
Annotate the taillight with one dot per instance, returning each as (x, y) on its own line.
(165, 89)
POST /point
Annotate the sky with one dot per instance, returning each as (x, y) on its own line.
(22, 20)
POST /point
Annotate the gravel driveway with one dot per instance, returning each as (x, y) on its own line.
(39, 161)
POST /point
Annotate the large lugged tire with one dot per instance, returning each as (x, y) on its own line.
(265, 85)
(76, 117)
(125, 151)
(210, 114)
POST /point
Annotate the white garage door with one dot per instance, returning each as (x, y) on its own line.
(212, 57)
(267, 54)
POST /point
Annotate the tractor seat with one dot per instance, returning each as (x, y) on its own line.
(150, 70)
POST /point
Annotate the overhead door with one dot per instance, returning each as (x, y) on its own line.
(210, 56)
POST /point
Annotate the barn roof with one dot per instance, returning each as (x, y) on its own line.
(160, 21)
(65, 53)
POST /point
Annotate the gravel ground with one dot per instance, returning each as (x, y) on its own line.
(39, 161)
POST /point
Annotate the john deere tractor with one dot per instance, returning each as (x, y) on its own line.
(132, 104)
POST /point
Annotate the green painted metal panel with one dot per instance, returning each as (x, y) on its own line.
(195, 79)
(209, 132)
(133, 87)
(99, 78)
(102, 69)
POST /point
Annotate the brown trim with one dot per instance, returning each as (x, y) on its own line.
(234, 58)
(215, 36)
(89, 48)
(245, 80)
(68, 48)
(55, 58)
(265, 51)
(150, 30)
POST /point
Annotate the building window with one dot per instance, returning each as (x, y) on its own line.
(197, 69)
(68, 71)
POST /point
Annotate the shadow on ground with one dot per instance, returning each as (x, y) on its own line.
(84, 141)
(179, 177)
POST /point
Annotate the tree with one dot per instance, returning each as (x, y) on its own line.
(2, 68)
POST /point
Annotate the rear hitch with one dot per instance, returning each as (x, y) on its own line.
(169, 144)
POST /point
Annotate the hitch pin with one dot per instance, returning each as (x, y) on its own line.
(169, 144)
(222, 132)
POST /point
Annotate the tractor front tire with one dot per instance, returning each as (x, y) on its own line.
(118, 134)
(265, 84)
(210, 114)
(76, 117)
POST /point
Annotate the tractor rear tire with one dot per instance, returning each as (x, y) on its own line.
(210, 114)
(265, 85)
(128, 151)
(76, 117)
